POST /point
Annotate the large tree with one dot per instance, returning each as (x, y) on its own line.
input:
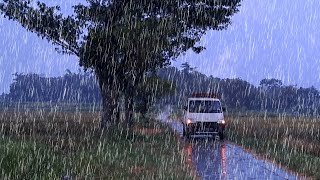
(120, 40)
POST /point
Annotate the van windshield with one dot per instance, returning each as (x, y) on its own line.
(200, 106)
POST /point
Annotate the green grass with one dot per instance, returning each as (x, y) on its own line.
(37, 145)
(291, 142)
(25, 160)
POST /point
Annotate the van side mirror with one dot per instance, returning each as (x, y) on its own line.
(224, 109)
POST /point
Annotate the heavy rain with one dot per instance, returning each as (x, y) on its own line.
(159, 89)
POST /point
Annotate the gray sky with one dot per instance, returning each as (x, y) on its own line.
(268, 38)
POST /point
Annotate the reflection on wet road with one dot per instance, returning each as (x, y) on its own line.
(220, 160)
(214, 159)
(209, 158)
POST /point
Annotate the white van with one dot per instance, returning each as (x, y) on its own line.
(203, 115)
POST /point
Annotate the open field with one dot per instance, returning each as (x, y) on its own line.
(292, 142)
(51, 145)
(49, 107)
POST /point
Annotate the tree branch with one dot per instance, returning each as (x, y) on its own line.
(45, 21)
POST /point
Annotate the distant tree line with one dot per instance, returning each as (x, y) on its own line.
(169, 85)
(271, 95)
(82, 87)
(71, 87)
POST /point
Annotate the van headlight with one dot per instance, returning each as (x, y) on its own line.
(221, 121)
(189, 121)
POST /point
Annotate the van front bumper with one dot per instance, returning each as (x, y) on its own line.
(205, 127)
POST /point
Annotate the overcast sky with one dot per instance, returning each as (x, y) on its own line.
(268, 38)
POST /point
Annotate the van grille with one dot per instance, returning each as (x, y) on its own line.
(206, 126)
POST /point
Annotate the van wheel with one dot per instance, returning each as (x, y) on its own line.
(187, 132)
(221, 135)
(183, 131)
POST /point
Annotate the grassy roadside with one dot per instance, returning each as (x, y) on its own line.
(292, 142)
(44, 145)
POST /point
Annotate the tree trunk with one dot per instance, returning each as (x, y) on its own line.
(106, 114)
(128, 107)
(109, 103)
(129, 111)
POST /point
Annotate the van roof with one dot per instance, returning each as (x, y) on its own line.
(204, 95)
(203, 98)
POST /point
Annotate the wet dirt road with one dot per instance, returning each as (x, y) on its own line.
(215, 159)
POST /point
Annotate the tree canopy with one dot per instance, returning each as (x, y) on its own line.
(120, 40)
(271, 83)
